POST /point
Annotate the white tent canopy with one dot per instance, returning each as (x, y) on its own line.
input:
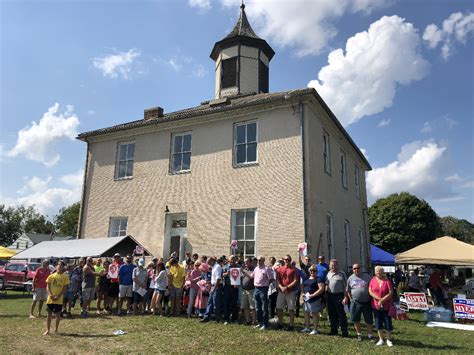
(76, 248)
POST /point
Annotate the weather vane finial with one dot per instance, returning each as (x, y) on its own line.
(242, 5)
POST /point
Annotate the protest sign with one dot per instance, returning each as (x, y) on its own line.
(415, 300)
(463, 308)
(233, 245)
(113, 271)
(303, 249)
(234, 276)
(139, 250)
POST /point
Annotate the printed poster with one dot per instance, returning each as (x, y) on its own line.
(303, 249)
(415, 300)
(234, 276)
(463, 308)
(113, 271)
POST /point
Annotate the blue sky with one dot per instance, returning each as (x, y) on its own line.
(398, 74)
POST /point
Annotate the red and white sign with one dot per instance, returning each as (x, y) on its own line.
(303, 249)
(113, 271)
(463, 308)
(234, 276)
(416, 300)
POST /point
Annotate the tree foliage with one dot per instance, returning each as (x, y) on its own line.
(67, 220)
(402, 221)
(460, 229)
(10, 225)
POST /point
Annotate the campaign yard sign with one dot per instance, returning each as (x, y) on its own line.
(463, 308)
(415, 300)
(234, 276)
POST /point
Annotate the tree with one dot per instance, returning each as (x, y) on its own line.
(458, 228)
(10, 225)
(67, 220)
(402, 221)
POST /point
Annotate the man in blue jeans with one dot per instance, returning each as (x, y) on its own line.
(262, 276)
(216, 296)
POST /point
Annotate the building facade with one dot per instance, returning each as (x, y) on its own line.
(270, 170)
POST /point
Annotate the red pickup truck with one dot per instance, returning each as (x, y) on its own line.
(18, 275)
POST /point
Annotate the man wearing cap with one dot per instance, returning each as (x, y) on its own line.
(38, 287)
(140, 276)
(125, 277)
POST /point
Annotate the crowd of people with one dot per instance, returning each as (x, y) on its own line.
(203, 288)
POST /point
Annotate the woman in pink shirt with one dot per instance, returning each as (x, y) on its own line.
(193, 277)
(381, 289)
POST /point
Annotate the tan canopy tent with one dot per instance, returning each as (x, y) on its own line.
(6, 253)
(441, 251)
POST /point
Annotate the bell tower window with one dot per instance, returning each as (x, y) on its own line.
(263, 77)
(229, 73)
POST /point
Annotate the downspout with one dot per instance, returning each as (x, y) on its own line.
(303, 158)
(83, 197)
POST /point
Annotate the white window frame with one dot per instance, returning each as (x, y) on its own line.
(326, 153)
(118, 161)
(234, 225)
(330, 236)
(245, 123)
(182, 152)
(347, 243)
(361, 248)
(357, 181)
(120, 232)
(343, 169)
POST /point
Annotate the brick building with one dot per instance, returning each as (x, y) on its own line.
(269, 170)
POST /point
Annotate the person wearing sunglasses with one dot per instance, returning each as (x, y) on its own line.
(313, 291)
(358, 292)
(287, 280)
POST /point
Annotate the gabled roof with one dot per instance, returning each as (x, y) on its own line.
(242, 33)
(227, 105)
(38, 238)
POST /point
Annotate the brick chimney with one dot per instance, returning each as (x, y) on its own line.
(154, 112)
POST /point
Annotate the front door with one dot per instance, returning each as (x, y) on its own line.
(176, 224)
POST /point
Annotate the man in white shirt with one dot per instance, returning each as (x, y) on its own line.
(216, 296)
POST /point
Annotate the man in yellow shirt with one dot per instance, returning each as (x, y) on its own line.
(177, 277)
(56, 285)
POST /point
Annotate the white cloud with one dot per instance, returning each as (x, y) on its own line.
(200, 4)
(362, 80)
(384, 122)
(48, 200)
(174, 64)
(453, 178)
(36, 142)
(455, 29)
(306, 26)
(468, 185)
(118, 64)
(450, 122)
(417, 170)
(426, 128)
(199, 71)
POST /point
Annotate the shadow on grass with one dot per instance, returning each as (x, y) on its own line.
(13, 296)
(82, 335)
(420, 345)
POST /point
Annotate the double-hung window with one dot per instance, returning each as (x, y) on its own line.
(326, 153)
(347, 242)
(245, 143)
(343, 170)
(244, 223)
(180, 152)
(118, 227)
(125, 157)
(330, 235)
(357, 181)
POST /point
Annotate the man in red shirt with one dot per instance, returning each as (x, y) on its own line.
(287, 283)
(437, 287)
(39, 288)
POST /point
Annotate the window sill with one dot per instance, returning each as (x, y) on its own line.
(179, 172)
(243, 165)
(124, 178)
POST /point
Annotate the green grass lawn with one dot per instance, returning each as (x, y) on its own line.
(146, 334)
